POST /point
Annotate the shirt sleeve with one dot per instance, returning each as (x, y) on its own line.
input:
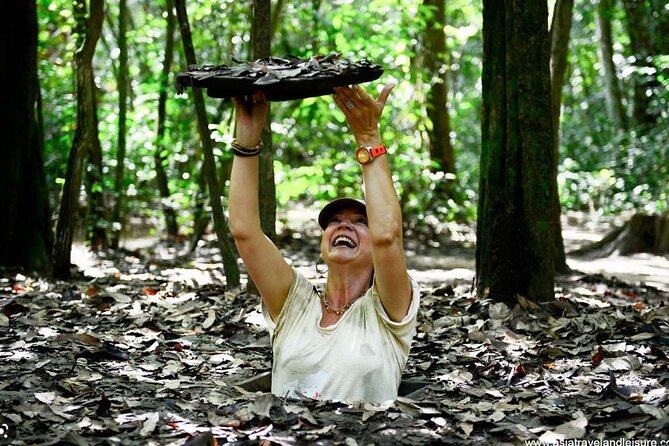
(298, 295)
(407, 324)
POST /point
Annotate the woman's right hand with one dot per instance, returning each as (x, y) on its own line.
(251, 114)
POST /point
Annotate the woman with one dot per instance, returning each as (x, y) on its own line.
(351, 341)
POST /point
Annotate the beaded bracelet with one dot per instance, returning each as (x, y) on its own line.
(243, 151)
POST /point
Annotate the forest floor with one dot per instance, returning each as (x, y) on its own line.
(146, 347)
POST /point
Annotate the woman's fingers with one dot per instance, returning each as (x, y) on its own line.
(356, 96)
(345, 103)
(257, 97)
(251, 113)
(362, 95)
(383, 96)
(346, 99)
(339, 102)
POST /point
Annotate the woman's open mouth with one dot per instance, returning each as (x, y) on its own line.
(342, 240)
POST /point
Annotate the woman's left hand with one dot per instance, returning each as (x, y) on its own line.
(251, 113)
(362, 112)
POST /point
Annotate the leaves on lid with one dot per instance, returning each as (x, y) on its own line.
(291, 77)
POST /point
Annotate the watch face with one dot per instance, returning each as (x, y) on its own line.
(362, 155)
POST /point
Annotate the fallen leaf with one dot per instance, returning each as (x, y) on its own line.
(80, 337)
(209, 321)
(467, 427)
(262, 405)
(627, 362)
(45, 397)
(572, 429)
(149, 424)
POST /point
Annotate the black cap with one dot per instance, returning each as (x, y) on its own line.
(337, 205)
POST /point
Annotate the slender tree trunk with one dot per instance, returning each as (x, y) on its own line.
(267, 188)
(261, 38)
(88, 33)
(97, 219)
(435, 62)
(119, 186)
(25, 233)
(315, 23)
(160, 156)
(220, 224)
(515, 233)
(641, 46)
(200, 217)
(276, 17)
(659, 26)
(614, 102)
(560, 30)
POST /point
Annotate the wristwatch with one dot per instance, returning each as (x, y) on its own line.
(366, 155)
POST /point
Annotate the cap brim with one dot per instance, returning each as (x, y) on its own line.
(337, 205)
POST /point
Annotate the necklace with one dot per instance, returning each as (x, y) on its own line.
(338, 311)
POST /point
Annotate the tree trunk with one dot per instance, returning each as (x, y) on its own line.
(119, 186)
(267, 188)
(86, 134)
(642, 233)
(160, 156)
(659, 25)
(276, 17)
(641, 46)
(435, 64)
(97, 221)
(560, 29)
(262, 47)
(614, 102)
(25, 233)
(220, 224)
(515, 233)
(200, 217)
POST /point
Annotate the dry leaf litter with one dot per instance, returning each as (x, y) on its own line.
(148, 356)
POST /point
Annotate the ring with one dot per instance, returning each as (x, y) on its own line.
(349, 104)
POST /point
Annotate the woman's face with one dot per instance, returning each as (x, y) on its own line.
(346, 239)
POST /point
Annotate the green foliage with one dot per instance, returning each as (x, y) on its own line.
(629, 173)
(600, 169)
(389, 33)
(55, 49)
(604, 169)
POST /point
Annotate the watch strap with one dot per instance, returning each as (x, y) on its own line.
(377, 150)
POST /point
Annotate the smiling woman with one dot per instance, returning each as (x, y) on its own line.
(351, 340)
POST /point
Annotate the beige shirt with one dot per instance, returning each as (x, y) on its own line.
(359, 358)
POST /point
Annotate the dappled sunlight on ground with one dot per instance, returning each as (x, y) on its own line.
(639, 268)
(429, 262)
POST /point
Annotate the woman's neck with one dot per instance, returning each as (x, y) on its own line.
(345, 286)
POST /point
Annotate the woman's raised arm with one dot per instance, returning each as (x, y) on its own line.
(383, 210)
(263, 261)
